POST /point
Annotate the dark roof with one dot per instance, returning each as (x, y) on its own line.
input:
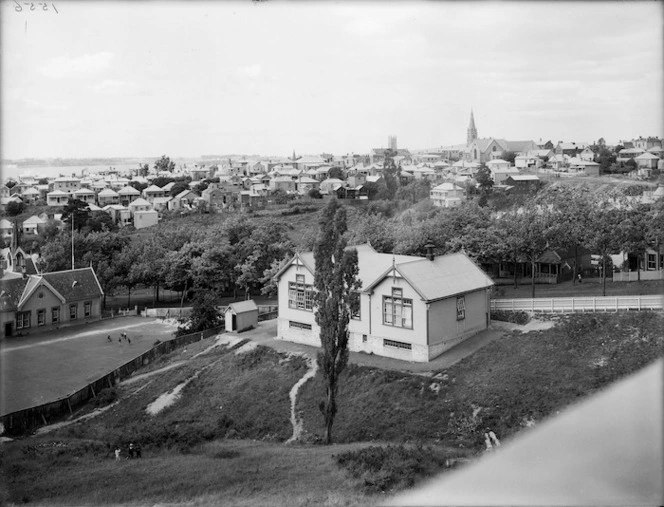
(10, 295)
(86, 286)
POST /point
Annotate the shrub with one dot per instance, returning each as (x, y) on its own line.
(390, 468)
(106, 397)
(514, 317)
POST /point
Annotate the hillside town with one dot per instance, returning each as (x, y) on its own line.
(496, 174)
(346, 253)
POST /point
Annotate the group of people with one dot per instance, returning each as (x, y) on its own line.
(123, 336)
(133, 451)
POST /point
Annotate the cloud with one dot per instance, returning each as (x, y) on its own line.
(250, 71)
(38, 106)
(114, 87)
(77, 66)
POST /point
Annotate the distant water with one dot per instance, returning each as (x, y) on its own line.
(12, 171)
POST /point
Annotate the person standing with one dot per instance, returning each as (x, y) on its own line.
(117, 454)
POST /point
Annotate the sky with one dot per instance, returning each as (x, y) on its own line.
(121, 79)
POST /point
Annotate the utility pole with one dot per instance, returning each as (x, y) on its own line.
(72, 241)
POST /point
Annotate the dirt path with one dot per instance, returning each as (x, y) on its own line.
(297, 422)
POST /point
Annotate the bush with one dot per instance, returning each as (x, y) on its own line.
(393, 467)
(106, 397)
(514, 317)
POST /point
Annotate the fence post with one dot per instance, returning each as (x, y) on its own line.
(594, 304)
(616, 304)
(512, 304)
(639, 300)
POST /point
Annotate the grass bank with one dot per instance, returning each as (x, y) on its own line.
(222, 442)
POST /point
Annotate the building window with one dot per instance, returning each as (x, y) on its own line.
(398, 345)
(41, 317)
(23, 320)
(299, 325)
(364, 338)
(652, 262)
(72, 312)
(87, 307)
(461, 308)
(55, 315)
(300, 294)
(355, 305)
(397, 310)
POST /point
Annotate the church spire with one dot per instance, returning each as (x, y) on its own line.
(472, 130)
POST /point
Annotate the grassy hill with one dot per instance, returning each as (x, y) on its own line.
(223, 441)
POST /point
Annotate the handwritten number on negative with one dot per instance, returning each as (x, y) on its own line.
(18, 7)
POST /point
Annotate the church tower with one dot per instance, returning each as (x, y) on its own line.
(472, 130)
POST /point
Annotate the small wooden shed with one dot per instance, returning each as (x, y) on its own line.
(241, 316)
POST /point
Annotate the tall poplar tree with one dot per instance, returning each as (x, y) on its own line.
(335, 280)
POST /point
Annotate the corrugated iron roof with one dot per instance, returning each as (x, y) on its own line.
(243, 306)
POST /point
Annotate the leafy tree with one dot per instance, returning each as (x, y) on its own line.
(77, 210)
(179, 186)
(100, 221)
(43, 181)
(535, 227)
(204, 314)
(144, 170)
(633, 234)
(162, 181)
(335, 281)
(415, 191)
(336, 172)
(214, 271)
(164, 164)
(509, 156)
(14, 208)
(601, 238)
(314, 193)
(139, 185)
(179, 268)
(484, 180)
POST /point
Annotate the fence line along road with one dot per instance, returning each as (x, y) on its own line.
(580, 304)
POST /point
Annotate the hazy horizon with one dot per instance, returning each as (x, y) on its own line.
(115, 79)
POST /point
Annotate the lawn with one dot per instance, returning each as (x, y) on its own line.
(33, 367)
(588, 287)
(223, 441)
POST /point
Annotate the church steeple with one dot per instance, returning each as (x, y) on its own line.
(472, 130)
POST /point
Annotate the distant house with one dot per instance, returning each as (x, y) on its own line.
(330, 185)
(128, 194)
(646, 160)
(48, 301)
(523, 183)
(107, 196)
(409, 308)
(447, 195)
(145, 218)
(592, 169)
(86, 195)
(65, 184)
(500, 174)
(153, 191)
(570, 149)
(184, 200)
(6, 228)
(221, 196)
(30, 195)
(283, 183)
(34, 224)
(57, 198)
(119, 214)
(587, 154)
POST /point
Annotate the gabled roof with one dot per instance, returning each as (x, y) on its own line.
(447, 186)
(443, 277)
(523, 177)
(10, 293)
(84, 191)
(184, 193)
(243, 306)
(139, 202)
(57, 193)
(107, 192)
(647, 156)
(128, 190)
(153, 188)
(370, 263)
(75, 284)
(34, 282)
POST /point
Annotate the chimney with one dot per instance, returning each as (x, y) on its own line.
(429, 248)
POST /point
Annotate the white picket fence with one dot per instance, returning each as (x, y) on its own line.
(633, 276)
(580, 304)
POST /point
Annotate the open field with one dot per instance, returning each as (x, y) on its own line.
(223, 440)
(588, 287)
(44, 367)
